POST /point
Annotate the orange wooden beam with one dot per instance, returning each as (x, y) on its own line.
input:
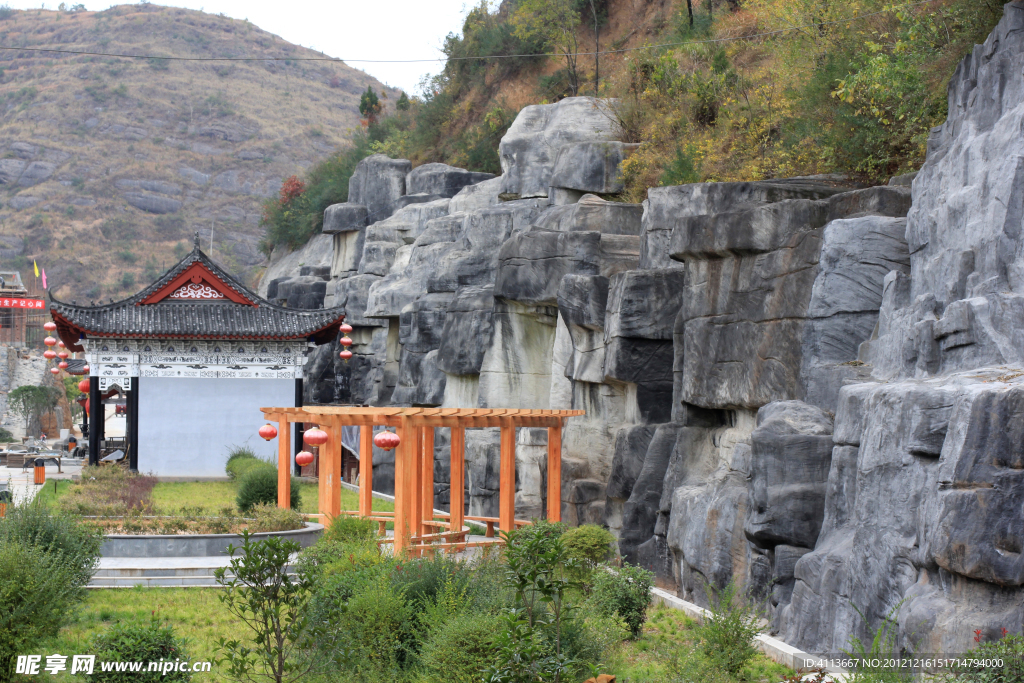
(284, 464)
(458, 477)
(403, 477)
(366, 471)
(427, 475)
(507, 485)
(555, 473)
(415, 485)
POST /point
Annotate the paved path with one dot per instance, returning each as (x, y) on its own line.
(20, 483)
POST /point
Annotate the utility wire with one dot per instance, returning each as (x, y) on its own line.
(766, 34)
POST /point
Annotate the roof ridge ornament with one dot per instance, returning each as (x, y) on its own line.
(195, 240)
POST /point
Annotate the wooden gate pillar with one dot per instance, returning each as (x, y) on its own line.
(403, 485)
(427, 476)
(458, 478)
(555, 473)
(507, 485)
(366, 470)
(284, 463)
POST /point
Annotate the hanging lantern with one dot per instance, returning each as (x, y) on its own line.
(50, 326)
(54, 371)
(303, 458)
(49, 341)
(63, 355)
(83, 386)
(63, 365)
(85, 369)
(386, 441)
(49, 354)
(345, 354)
(60, 343)
(345, 341)
(345, 328)
(315, 437)
(268, 432)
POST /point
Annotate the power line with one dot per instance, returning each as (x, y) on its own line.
(766, 34)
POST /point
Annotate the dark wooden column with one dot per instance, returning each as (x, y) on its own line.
(298, 425)
(96, 420)
(133, 424)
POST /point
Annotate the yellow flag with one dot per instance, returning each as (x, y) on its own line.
(36, 266)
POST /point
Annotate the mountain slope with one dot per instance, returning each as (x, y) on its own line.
(108, 165)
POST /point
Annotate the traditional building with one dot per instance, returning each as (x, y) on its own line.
(22, 313)
(197, 354)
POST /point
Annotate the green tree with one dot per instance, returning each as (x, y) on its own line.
(370, 106)
(403, 102)
(557, 24)
(31, 403)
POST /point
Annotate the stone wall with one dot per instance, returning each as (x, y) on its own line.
(804, 386)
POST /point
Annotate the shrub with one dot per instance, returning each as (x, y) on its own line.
(38, 591)
(1010, 649)
(111, 491)
(461, 650)
(55, 534)
(380, 629)
(589, 545)
(135, 642)
(727, 634)
(346, 528)
(625, 592)
(272, 518)
(240, 459)
(259, 485)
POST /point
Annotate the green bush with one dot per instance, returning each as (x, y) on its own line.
(347, 528)
(727, 634)
(55, 534)
(380, 629)
(240, 459)
(269, 517)
(625, 592)
(1010, 649)
(463, 649)
(589, 545)
(38, 593)
(259, 485)
(134, 642)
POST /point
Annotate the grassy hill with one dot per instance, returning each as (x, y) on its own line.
(108, 165)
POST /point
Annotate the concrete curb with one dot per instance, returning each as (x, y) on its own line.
(197, 545)
(773, 648)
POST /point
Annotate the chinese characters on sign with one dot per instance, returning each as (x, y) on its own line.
(22, 303)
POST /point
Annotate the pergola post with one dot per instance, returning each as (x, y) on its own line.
(458, 478)
(366, 470)
(555, 473)
(415, 487)
(403, 485)
(507, 485)
(330, 464)
(427, 475)
(284, 463)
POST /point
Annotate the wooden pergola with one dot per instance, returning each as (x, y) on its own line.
(414, 515)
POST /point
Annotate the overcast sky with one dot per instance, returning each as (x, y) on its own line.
(349, 29)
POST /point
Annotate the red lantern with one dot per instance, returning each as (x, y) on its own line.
(268, 432)
(83, 386)
(315, 437)
(60, 343)
(87, 406)
(48, 354)
(49, 341)
(303, 458)
(345, 354)
(50, 326)
(345, 341)
(85, 369)
(63, 355)
(386, 441)
(54, 370)
(63, 365)
(345, 328)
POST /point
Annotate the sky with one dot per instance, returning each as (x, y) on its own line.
(349, 29)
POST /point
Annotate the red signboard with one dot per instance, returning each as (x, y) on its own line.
(22, 303)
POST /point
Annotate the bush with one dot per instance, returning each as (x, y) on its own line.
(589, 545)
(461, 650)
(727, 634)
(272, 518)
(1010, 649)
(240, 459)
(134, 642)
(259, 485)
(380, 629)
(38, 592)
(108, 491)
(346, 528)
(627, 593)
(55, 534)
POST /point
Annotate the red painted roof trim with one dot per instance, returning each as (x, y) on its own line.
(197, 273)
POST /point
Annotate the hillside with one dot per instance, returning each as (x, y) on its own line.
(108, 165)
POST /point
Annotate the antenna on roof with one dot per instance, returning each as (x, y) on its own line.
(195, 239)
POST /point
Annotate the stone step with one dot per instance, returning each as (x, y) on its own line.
(157, 572)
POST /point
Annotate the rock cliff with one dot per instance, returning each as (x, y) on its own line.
(807, 387)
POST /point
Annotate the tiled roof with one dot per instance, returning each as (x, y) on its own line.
(222, 318)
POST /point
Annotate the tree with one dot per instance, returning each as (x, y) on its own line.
(370, 106)
(31, 403)
(403, 102)
(556, 23)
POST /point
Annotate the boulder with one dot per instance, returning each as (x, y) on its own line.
(640, 512)
(467, 331)
(376, 183)
(37, 172)
(530, 147)
(344, 218)
(441, 179)
(152, 203)
(593, 213)
(591, 166)
(478, 196)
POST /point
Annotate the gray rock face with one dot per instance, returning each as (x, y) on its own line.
(345, 218)
(530, 148)
(591, 166)
(376, 183)
(442, 180)
(594, 214)
(152, 203)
